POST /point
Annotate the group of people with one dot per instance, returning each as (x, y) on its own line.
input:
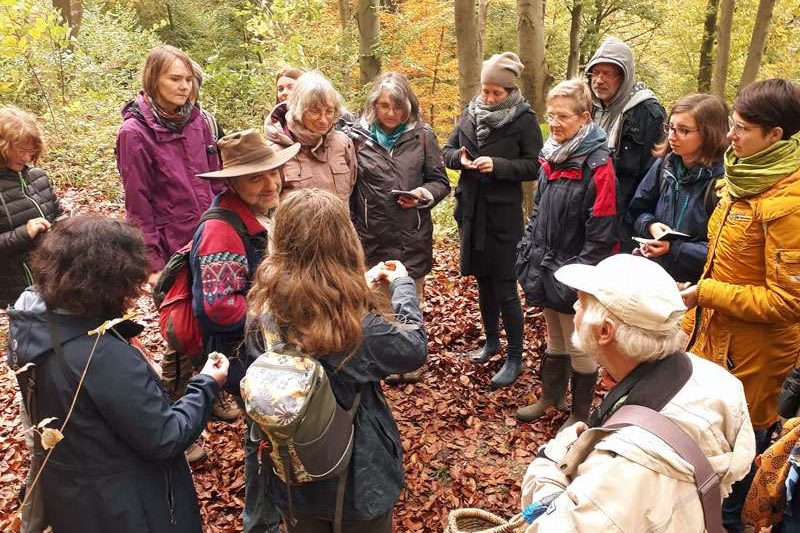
(648, 231)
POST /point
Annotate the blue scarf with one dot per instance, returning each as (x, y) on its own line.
(387, 140)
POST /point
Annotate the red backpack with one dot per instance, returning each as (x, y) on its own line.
(173, 294)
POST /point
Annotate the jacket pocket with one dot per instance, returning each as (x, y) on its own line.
(787, 269)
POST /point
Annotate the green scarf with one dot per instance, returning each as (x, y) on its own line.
(748, 176)
(387, 140)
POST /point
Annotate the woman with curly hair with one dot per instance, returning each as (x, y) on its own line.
(313, 287)
(121, 459)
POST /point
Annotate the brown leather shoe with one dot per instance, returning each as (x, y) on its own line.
(195, 452)
(225, 408)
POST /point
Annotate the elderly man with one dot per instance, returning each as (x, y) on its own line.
(223, 261)
(632, 117)
(600, 479)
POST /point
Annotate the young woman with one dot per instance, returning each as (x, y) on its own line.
(574, 221)
(313, 286)
(495, 146)
(27, 204)
(163, 142)
(679, 191)
(397, 152)
(121, 460)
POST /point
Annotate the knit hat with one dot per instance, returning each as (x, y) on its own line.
(502, 69)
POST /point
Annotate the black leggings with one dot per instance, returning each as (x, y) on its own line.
(496, 296)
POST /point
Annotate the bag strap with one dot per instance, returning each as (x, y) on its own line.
(705, 478)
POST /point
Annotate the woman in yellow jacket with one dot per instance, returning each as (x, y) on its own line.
(747, 315)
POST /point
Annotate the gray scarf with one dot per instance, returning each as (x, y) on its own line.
(493, 117)
(556, 153)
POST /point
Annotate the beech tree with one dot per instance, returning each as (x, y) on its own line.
(707, 47)
(469, 49)
(369, 31)
(535, 78)
(758, 42)
(724, 29)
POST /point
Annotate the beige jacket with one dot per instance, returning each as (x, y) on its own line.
(331, 165)
(631, 481)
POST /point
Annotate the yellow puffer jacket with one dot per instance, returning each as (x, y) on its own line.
(749, 293)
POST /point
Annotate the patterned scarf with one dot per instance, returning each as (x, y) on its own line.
(172, 120)
(748, 176)
(493, 117)
(556, 153)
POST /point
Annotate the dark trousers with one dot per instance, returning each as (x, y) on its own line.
(259, 514)
(381, 524)
(496, 296)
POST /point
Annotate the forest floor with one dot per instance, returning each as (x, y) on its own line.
(462, 446)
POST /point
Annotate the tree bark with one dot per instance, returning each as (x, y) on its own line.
(724, 29)
(71, 13)
(369, 31)
(535, 77)
(468, 49)
(757, 43)
(574, 39)
(707, 47)
(345, 15)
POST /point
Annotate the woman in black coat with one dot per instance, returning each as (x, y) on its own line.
(495, 146)
(27, 204)
(120, 465)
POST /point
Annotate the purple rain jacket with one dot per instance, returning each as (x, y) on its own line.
(163, 197)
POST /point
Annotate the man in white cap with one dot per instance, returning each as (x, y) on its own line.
(593, 478)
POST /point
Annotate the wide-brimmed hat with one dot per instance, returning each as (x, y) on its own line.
(246, 152)
(637, 290)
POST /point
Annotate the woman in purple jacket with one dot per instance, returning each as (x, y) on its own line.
(163, 142)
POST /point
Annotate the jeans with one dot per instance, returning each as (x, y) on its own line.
(732, 505)
(259, 514)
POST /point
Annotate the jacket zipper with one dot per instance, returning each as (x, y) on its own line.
(419, 220)
(366, 215)
(170, 496)
(24, 185)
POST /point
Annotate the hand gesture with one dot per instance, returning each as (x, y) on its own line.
(654, 248)
(657, 229)
(35, 226)
(407, 201)
(217, 367)
(386, 272)
(466, 160)
(484, 164)
(689, 294)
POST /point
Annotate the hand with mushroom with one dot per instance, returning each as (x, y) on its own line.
(217, 367)
(385, 272)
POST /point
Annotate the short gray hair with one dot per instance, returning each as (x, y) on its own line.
(636, 343)
(575, 89)
(396, 86)
(313, 89)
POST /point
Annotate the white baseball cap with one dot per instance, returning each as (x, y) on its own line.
(636, 290)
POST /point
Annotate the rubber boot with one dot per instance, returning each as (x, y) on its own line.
(555, 369)
(510, 370)
(489, 348)
(582, 395)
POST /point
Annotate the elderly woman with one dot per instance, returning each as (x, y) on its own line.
(27, 204)
(326, 159)
(121, 460)
(494, 145)
(748, 297)
(679, 191)
(574, 221)
(162, 143)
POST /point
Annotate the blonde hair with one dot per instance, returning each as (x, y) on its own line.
(18, 127)
(313, 89)
(156, 64)
(575, 89)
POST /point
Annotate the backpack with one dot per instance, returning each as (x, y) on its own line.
(173, 294)
(289, 396)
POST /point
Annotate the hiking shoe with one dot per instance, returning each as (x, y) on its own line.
(225, 408)
(195, 452)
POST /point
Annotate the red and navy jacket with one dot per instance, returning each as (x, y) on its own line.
(223, 265)
(574, 221)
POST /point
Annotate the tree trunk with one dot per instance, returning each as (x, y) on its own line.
(468, 49)
(71, 13)
(344, 63)
(369, 31)
(530, 43)
(574, 39)
(757, 43)
(707, 47)
(720, 79)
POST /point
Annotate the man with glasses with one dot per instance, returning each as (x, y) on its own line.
(632, 117)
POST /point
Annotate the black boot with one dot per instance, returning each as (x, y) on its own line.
(489, 348)
(582, 395)
(554, 373)
(511, 369)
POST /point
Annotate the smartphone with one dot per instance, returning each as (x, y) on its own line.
(396, 193)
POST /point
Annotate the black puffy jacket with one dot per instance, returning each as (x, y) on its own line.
(23, 195)
(388, 231)
(574, 221)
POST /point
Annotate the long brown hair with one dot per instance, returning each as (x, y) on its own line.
(711, 115)
(312, 283)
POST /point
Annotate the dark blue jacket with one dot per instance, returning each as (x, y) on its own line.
(684, 207)
(120, 466)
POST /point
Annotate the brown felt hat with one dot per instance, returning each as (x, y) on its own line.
(502, 69)
(246, 152)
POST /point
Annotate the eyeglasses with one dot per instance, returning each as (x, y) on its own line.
(317, 113)
(610, 76)
(559, 118)
(738, 129)
(385, 108)
(680, 131)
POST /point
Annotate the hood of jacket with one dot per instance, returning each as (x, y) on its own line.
(139, 110)
(696, 173)
(618, 53)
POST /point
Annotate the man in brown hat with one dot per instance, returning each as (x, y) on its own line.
(225, 254)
